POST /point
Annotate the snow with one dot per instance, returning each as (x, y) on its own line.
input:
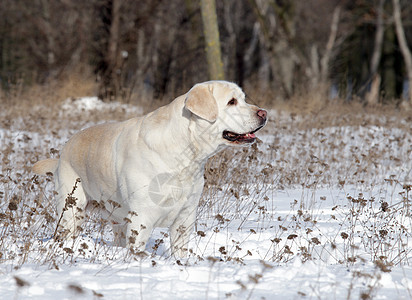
(301, 235)
(87, 104)
(203, 280)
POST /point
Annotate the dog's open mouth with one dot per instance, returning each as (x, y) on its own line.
(243, 138)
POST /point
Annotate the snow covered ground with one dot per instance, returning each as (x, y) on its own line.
(311, 212)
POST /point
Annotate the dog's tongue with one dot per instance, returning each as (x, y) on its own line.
(251, 135)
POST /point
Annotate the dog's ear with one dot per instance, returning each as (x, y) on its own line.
(200, 101)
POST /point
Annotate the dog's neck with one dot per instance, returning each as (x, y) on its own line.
(180, 129)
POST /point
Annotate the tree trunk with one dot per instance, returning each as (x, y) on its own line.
(372, 96)
(377, 48)
(211, 31)
(324, 62)
(114, 36)
(389, 70)
(110, 83)
(400, 33)
(277, 39)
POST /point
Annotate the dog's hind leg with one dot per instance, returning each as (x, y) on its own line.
(71, 202)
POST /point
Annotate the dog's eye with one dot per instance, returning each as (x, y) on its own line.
(232, 101)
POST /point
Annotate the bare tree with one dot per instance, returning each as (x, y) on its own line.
(211, 31)
(324, 63)
(372, 97)
(277, 29)
(377, 50)
(110, 81)
(400, 33)
(54, 35)
(241, 41)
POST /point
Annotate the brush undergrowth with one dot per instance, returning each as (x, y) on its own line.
(361, 163)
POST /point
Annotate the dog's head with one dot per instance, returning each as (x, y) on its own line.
(223, 116)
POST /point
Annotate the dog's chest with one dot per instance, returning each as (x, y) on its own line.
(175, 197)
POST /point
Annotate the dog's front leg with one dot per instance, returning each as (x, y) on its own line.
(137, 234)
(181, 230)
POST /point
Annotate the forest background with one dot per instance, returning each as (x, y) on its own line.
(348, 49)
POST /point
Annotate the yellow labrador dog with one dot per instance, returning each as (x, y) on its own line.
(148, 171)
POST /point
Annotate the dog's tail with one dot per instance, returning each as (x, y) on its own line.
(45, 166)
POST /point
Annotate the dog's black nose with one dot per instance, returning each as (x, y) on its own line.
(262, 114)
